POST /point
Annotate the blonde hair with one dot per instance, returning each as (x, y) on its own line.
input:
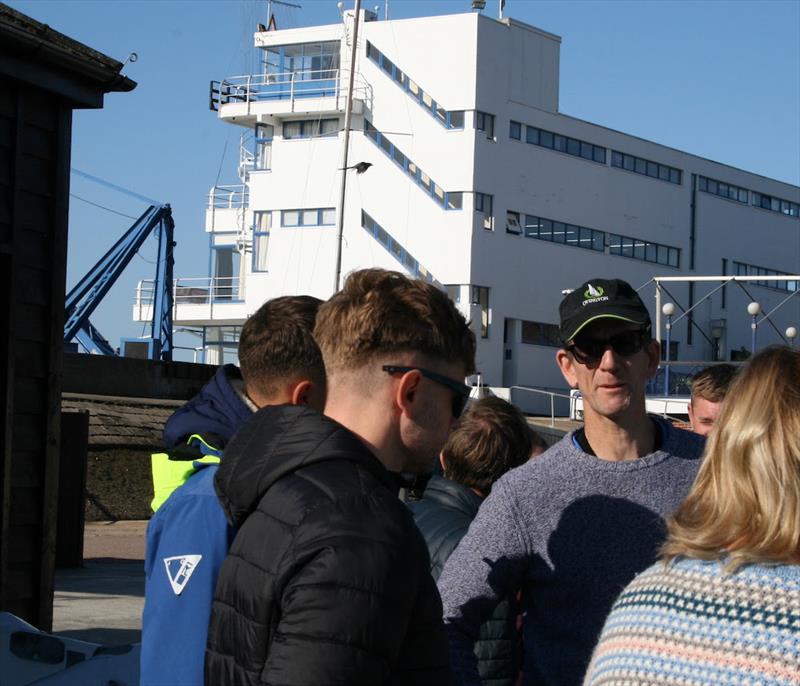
(745, 502)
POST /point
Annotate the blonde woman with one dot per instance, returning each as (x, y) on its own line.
(723, 604)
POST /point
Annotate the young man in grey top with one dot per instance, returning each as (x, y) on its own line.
(571, 528)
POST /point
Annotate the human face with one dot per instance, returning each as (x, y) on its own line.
(427, 411)
(703, 415)
(613, 385)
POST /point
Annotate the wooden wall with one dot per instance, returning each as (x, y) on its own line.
(35, 130)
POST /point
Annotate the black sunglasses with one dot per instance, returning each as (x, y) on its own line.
(461, 391)
(589, 350)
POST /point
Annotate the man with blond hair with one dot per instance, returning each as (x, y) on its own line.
(327, 581)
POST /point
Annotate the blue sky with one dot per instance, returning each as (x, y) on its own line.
(716, 78)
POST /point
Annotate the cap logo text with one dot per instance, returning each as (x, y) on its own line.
(593, 295)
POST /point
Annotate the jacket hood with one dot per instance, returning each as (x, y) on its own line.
(216, 409)
(277, 441)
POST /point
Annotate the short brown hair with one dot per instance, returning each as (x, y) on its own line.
(277, 343)
(379, 312)
(492, 438)
(712, 383)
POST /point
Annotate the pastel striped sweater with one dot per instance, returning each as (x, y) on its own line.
(690, 624)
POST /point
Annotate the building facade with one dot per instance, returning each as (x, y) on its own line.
(478, 183)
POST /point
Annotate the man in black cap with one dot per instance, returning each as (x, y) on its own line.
(571, 528)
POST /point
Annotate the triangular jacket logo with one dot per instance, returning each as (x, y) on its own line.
(180, 569)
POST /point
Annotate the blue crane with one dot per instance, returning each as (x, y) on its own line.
(87, 294)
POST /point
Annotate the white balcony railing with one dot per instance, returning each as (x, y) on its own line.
(190, 291)
(323, 83)
(232, 197)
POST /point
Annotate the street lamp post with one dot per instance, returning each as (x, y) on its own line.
(668, 309)
(754, 309)
(791, 334)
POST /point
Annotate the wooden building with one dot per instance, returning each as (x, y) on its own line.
(44, 76)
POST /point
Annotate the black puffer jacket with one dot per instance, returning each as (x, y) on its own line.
(443, 515)
(327, 581)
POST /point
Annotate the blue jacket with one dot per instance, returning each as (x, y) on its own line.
(187, 540)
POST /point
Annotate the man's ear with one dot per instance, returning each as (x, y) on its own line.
(406, 394)
(567, 366)
(301, 392)
(441, 462)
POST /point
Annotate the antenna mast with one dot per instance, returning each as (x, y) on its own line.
(348, 114)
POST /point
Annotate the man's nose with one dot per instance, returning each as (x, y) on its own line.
(609, 359)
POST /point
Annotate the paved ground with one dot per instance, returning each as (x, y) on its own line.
(102, 601)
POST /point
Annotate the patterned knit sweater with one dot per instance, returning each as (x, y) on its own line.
(690, 624)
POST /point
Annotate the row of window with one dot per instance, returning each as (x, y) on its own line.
(555, 141)
(452, 119)
(310, 128)
(449, 201)
(637, 165)
(743, 269)
(724, 190)
(539, 333)
(323, 216)
(768, 202)
(591, 239)
(404, 257)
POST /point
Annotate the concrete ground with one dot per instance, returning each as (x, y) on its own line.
(102, 601)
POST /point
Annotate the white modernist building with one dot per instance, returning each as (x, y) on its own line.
(480, 184)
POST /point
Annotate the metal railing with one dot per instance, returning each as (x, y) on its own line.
(193, 291)
(553, 395)
(321, 83)
(231, 197)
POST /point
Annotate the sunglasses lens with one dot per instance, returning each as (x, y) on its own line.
(627, 343)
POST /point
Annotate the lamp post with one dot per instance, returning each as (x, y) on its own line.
(791, 334)
(668, 309)
(754, 309)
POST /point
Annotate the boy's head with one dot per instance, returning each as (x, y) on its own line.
(492, 438)
(709, 388)
(279, 359)
(396, 351)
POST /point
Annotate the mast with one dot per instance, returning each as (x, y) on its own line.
(348, 113)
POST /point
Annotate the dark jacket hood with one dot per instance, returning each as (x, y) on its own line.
(277, 441)
(217, 409)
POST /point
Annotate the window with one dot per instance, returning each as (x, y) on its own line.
(451, 119)
(646, 251)
(325, 216)
(480, 297)
(515, 130)
(409, 263)
(723, 190)
(454, 292)
(512, 223)
(539, 333)
(571, 146)
(303, 62)
(485, 122)
(483, 204)
(768, 202)
(455, 201)
(743, 269)
(649, 168)
(310, 128)
(263, 151)
(449, 201)
(262, 222)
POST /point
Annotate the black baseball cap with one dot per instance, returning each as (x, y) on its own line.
(601, 299)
